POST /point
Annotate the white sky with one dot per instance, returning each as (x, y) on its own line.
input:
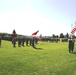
(28, 16)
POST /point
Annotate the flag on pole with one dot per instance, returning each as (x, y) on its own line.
(14, 34)
(40, 36)
(35, 33)
(73, 29)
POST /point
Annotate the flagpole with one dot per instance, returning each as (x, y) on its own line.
(71, 28)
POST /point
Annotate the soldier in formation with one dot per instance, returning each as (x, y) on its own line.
(14, 42)
(23, 40)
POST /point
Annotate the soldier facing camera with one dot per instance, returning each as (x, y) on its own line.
(71, 44)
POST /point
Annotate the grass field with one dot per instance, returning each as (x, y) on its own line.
(48, 59)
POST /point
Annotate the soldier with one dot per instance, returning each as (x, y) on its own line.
(71, 44)
(23, 40)
(19, 42)
(14, 42)
(26, 42)
(30, 42)
(33, 42)
(36, 40)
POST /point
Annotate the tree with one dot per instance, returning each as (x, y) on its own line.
(53, 36)
(67, 35)
(61, 35)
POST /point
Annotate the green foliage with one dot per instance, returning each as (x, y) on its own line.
(47, 59)
(61, 35)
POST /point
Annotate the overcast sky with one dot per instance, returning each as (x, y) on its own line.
(47, 16)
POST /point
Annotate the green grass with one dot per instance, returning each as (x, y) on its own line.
(48, 59)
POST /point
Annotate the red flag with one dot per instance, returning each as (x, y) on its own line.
(39, 37)
(13, 34)
(73, 29)
(35, 33)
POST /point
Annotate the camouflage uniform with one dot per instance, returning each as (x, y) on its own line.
(71, 45)
(14, 42)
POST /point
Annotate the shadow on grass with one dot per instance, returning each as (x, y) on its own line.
(73, 52)
(38, 48)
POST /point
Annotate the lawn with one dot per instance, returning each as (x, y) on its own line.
(49, 58)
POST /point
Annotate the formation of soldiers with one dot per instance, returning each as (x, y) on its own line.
(22, 41)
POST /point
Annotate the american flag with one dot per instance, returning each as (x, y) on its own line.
(73, 29)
